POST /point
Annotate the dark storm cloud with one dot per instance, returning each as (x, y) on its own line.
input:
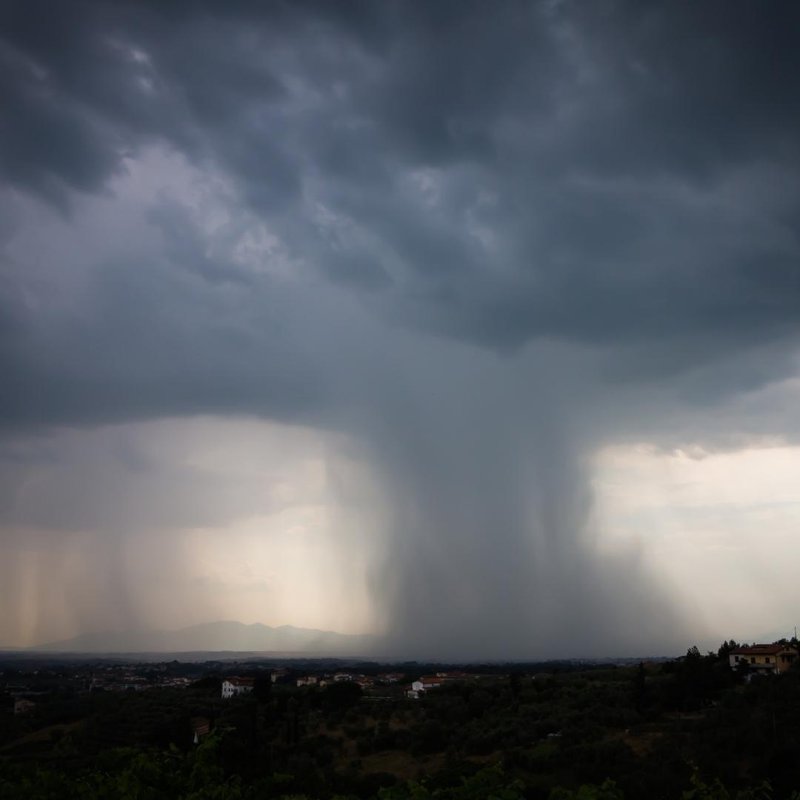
(156, 345)
(494, 213)
(604, 135)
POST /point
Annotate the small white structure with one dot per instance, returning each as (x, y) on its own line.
(309, 680)
(235, 686)
(422, 685)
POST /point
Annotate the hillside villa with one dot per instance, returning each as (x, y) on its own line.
(763, 658)
(235, 686)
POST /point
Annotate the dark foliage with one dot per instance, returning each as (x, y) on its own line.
(684, 729)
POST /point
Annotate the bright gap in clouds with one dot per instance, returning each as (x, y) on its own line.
(175, 522)
(719, 528)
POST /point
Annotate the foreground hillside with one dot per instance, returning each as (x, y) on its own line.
(684, 729)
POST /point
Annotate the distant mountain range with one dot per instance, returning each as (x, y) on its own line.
(223, 636)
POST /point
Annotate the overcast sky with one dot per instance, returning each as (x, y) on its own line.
(474, 326)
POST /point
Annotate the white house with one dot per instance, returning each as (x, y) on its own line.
(423, 684)
(234, 686)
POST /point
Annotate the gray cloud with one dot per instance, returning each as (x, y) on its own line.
(604, 140)
(491, 238)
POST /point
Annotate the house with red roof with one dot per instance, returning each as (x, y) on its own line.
(764, 658)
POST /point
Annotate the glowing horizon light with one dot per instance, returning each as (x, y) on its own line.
(719, 528)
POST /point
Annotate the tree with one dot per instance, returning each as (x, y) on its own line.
(341, 695)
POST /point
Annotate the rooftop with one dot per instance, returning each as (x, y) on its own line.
(761, 650)
(237, 681)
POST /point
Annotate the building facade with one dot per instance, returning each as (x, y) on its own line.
(764, 658)
(231, 687)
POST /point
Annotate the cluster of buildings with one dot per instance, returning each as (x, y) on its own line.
(236, 685)
(28, 687)
(131, 682)
(364, 681)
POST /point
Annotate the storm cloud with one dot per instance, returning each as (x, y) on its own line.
(469, 245)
